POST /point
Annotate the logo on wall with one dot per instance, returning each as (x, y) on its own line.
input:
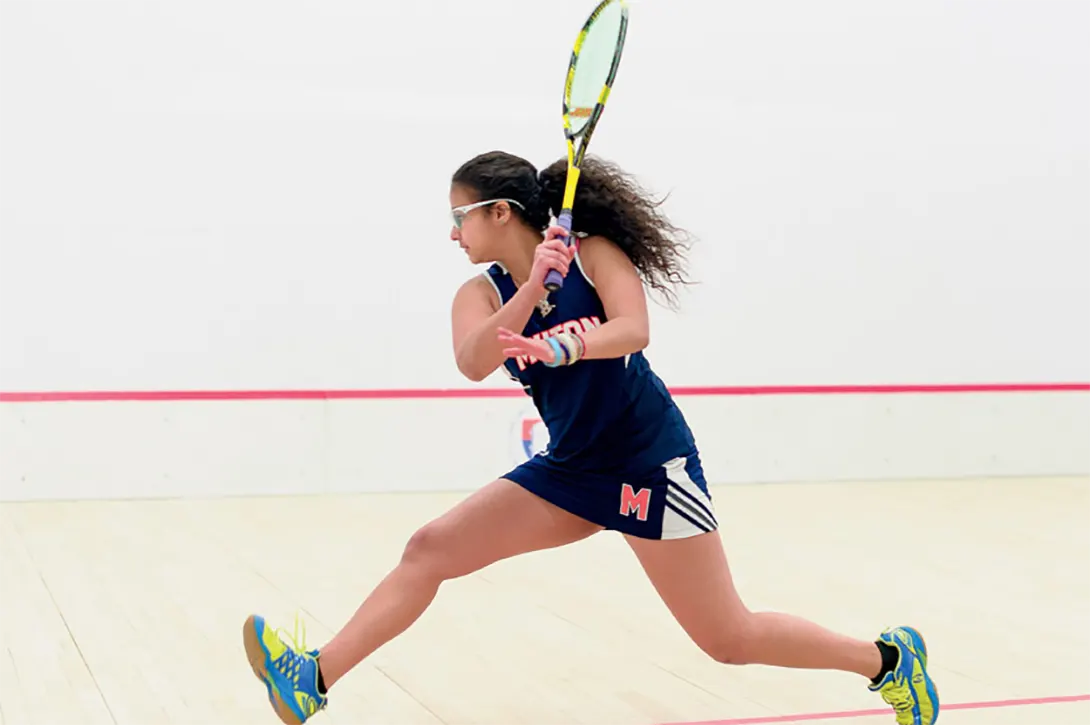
(530, 435)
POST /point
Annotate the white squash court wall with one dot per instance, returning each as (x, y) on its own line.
(240, 195)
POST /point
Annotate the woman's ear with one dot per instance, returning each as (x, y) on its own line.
(502, 211)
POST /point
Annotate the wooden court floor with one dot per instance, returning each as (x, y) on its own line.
(130, 611)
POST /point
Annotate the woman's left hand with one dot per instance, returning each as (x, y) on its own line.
(516, 345)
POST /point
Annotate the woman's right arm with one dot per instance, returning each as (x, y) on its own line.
(476, 315)
(475, 319)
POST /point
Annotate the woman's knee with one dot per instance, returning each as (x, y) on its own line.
(733, 646)
(430, 552)
(424, 550)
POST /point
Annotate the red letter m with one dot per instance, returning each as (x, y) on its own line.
(633, 501)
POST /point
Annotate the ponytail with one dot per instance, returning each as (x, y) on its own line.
(611, 204)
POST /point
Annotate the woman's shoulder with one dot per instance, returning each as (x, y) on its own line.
(595, 246)
(595, 252)
(481, 287)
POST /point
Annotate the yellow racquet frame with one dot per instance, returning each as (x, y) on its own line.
(576, 152)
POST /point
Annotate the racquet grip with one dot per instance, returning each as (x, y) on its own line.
(554, 280)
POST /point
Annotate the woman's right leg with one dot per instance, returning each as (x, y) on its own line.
(497, 522)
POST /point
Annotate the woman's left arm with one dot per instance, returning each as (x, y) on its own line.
(626, 329)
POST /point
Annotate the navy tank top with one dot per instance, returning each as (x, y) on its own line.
(603, 415)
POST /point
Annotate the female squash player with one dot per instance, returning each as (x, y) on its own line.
(621, 456)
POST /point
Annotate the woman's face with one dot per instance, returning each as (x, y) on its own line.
(479, 230)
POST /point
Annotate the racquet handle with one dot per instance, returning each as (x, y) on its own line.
(554, 280)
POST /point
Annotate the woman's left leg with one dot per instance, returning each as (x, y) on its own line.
(693, 578)
(700, 594)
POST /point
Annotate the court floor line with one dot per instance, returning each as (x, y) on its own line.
(847, 714)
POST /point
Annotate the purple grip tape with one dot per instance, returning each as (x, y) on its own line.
(554, 280)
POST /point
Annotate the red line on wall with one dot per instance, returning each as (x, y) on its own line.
(475, 393)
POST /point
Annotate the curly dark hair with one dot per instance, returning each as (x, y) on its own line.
(608, 203)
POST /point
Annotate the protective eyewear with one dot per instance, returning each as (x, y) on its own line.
(458, 213)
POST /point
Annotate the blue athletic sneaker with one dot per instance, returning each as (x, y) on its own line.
(908, 688)
(290, 673)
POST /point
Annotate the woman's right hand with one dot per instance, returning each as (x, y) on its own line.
(551, 254)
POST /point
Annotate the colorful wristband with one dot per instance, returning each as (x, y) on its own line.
(568, 348)
(559, 354)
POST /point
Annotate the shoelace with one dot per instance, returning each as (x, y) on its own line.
(296, 641)
(900, 699)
